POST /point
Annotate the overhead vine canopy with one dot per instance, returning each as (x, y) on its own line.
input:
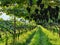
(18, 7)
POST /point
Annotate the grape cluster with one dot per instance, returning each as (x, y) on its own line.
(38, 2)
(30, 2)
(41, 6)
(28, 9)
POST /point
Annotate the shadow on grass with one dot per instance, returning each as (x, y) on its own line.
(44, 40)
(27, 41)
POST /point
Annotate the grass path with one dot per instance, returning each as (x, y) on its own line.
(35, 40)
(40, 38)
(53, 38)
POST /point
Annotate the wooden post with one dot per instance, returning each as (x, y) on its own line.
(14, 34)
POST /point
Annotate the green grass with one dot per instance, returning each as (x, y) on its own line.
(40, 38)
(53, 38)
(22, 38)
(37, 36)
(36, 39)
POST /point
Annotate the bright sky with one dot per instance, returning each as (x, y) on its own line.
(5, 17)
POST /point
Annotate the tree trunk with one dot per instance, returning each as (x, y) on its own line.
(14, 34)
(6, 39)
